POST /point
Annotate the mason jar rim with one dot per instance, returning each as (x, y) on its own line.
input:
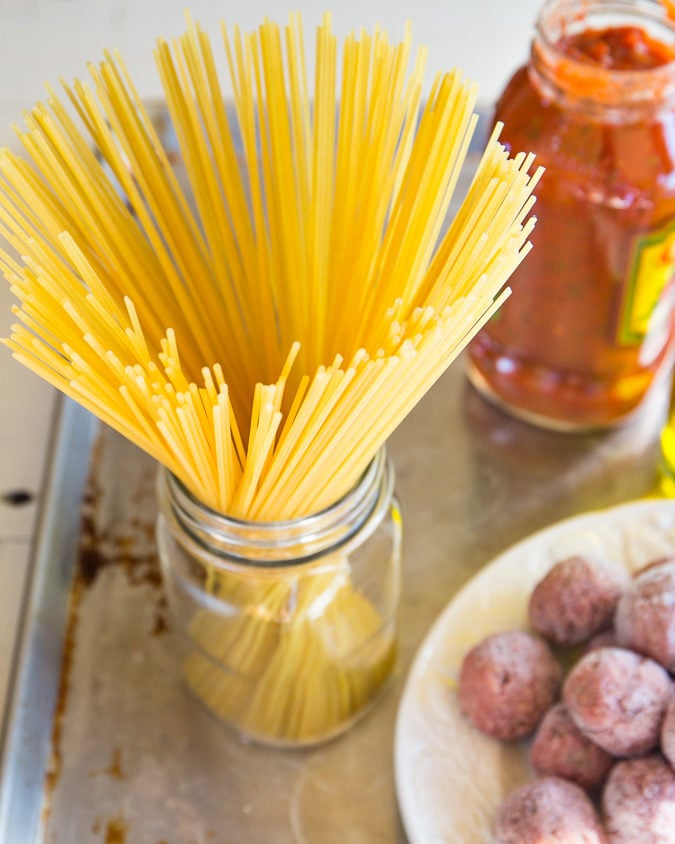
(613, 89)
(277, 544)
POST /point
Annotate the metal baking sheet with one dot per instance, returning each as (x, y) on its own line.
(25, 740)
(104, 743)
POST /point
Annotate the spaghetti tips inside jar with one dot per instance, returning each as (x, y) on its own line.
(588, 331)
(288, 629)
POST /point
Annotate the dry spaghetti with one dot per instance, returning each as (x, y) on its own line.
(262, 332)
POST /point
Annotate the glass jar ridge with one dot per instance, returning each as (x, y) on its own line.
(273, 544)
(287, 629)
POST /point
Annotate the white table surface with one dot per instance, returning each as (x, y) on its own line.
(44, 39)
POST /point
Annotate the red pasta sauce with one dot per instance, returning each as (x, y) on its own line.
(590, 320)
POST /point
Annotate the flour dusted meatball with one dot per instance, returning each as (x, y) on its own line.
(606, 639)
(638, 802)
(507, 682)
(577, 598)
(548, 810)
(652, 564)
(618, 699)
(561, 749)
(645, 615)
(668, 733)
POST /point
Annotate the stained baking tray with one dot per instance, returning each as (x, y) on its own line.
(28, 727)
(104, 744)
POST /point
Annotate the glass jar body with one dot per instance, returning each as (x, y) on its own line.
(287, 630)
(589, 325)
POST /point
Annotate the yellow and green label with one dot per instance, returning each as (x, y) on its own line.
(650, 269)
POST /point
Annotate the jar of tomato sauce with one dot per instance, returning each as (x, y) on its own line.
(588, 329)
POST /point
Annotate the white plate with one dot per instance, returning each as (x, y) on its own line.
(450, 778)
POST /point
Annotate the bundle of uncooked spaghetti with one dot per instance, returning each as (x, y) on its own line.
(264, 331)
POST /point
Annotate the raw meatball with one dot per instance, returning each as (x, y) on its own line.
(645, 615)
(618, 699)
(659, 561)
(668, 733)
(577, 598)
(561, 749)
(638, 802)
(548, 810)
(606, 639)
(507, 682)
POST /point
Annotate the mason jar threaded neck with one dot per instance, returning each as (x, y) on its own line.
(612, 94)
(277, 544)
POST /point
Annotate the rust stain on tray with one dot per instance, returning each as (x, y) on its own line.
(115, 831)
(55, 764)
(97, 551)
(115, 770)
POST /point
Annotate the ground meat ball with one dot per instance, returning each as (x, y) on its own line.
(547, 810)
(645, 615)
(577, 598)
(561, 749)
(638, 802)
(618, 699)
(668, 733)
(659, 561)
(606, 639)
(507, 682)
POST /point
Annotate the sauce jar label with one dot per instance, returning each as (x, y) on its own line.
(651, 269)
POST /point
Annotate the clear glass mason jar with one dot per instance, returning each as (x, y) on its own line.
(287, 629)
(589, 326)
